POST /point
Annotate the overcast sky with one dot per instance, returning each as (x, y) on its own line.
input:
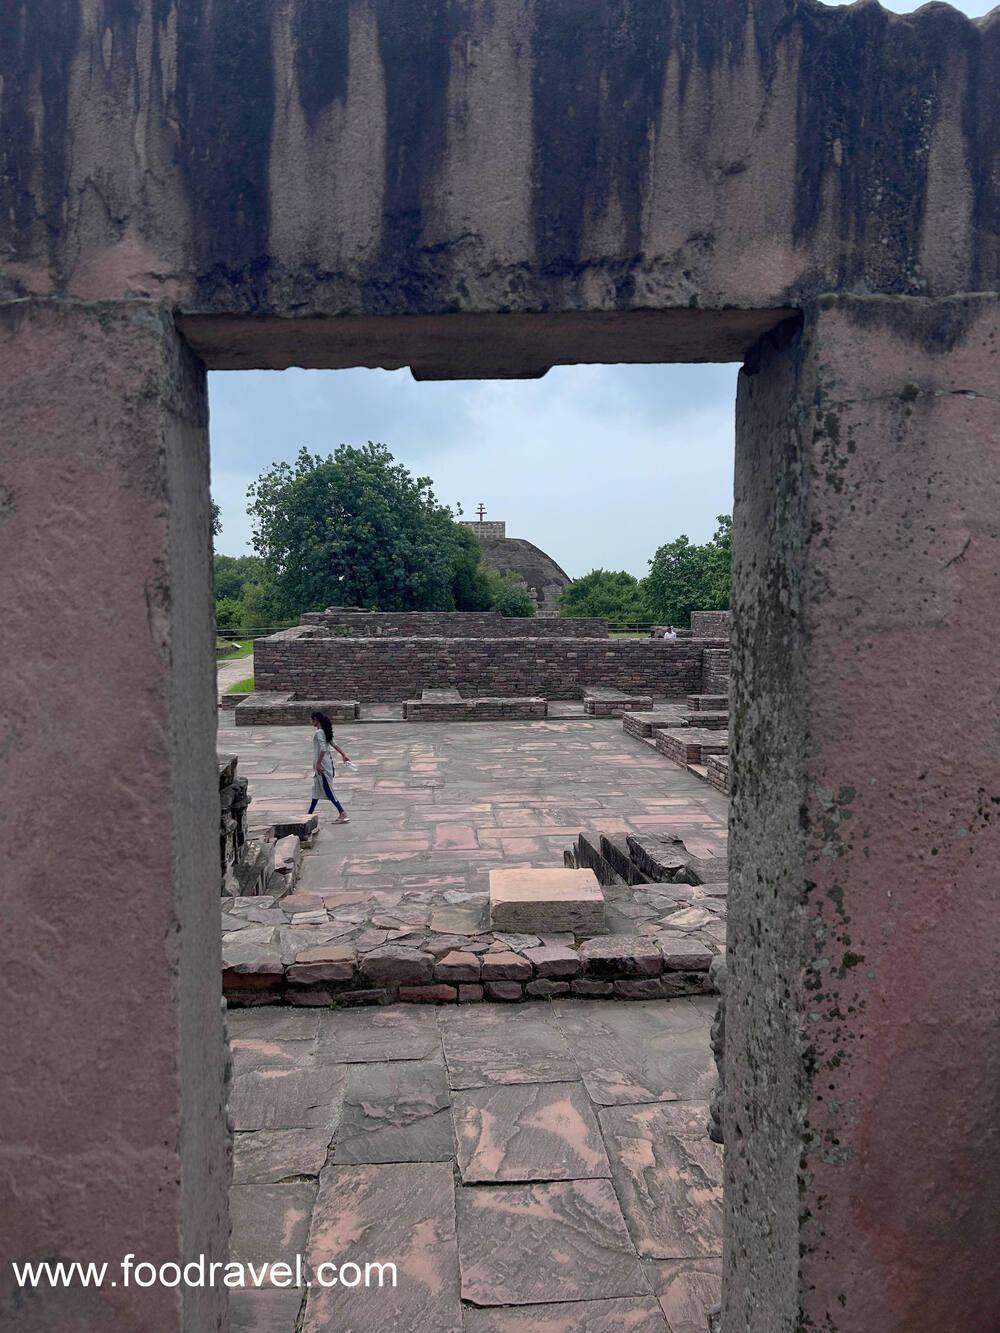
(598, 465)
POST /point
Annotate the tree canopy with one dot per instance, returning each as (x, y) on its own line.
(684, 577)
(615, 594)
(356, 529)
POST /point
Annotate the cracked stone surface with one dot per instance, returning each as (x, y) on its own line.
(518, 1185)
(432, 814)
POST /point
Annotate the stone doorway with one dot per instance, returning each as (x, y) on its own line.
(453, 191)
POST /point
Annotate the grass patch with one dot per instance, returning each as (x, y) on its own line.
(244, 650)
(242, 686)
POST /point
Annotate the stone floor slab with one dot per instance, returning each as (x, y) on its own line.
(402, 1214)
(270, 1223)
(668, 1176)
(485, 1046)
(537, 1131)
(396, 1112)
(270, 1156)
(687, 1290)
(366, 1036)
(294, 1098)
(642, 1052)
(532, 1244)
(269, 1311)
(637, 1314)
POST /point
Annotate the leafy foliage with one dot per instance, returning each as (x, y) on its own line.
(615, 594)
(509, 595)
(684, 578)
(355, 529)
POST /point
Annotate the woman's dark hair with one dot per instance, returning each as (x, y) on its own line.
(323, 721)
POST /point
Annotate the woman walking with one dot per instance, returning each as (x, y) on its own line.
(323, 747)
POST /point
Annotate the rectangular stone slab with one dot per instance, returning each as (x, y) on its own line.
(534, 1131)
(403, 1214)
(546, 901)
(629, 1314)
(530, 1244)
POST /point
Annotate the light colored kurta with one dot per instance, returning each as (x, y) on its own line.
(321, 747)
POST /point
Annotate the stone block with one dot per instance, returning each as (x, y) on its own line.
(684, 953)
(504, 990)
(437, 994)
(658, 855)
(554, 961)
(546, 900)
(545, 989)
(594, 989)
(469, 994)
(457, 966)
(353, 999)
(506, 967)
(397, 965)
(621, 956)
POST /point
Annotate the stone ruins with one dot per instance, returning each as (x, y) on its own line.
(491, 190)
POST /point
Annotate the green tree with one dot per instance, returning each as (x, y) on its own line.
(719, 561)
(228, 615)
(234, 572)
(262, 607)
(509, 595)
(354, 529)
(615, 594)
(216, 519)
(471, 589)
(684, 577)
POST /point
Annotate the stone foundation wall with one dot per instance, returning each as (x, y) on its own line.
(715, 671)
(391, 670)
(710, 624)
(262, 709)
(452, 624)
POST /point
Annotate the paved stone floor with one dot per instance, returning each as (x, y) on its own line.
(532, 1168)
(441, 804)
(527, 1169)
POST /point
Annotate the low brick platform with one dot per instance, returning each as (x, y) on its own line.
(691, 745)
(643, 725)
(718, 771)
(546, 901)
(708, 721)
(599, 701)
(449, 706)
(708, 703)
(265, 709)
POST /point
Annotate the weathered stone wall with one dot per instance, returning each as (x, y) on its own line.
(385, 670)
(451, 624)
(463, 157)
(715, 671)
(710, 624)
(862, 1061)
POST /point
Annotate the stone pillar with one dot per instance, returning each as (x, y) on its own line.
(861, 1113)
(113, 1138)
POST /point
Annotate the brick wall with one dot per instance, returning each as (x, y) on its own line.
(391, 669)
(451, 624)
(710, 624)
(488, 528)
(715, 671)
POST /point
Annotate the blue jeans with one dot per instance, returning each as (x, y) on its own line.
(329, 796)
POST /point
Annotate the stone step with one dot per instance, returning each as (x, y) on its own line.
(546, 901)
(588, 853)
(618, 855)
(710, 721)
(659, 856)
(708, 702)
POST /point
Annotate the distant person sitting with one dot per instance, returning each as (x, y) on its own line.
(670, 632)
